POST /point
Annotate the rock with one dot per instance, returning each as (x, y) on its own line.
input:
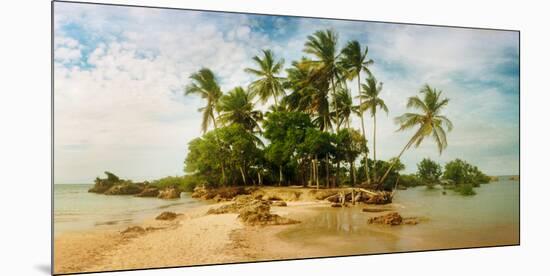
(138, 230)
(149, 192)
(278, 203)
(333, 198)
(375, 210)
(392, 218)
(221, 194)
(127, 188)
(379, 199)
(515, 178)
(274, 198)
(167, 216)
(257, 213)
(444, 193)
(134, 230)
(169, 193)
(337, 205)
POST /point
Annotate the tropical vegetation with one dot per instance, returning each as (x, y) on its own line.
(305, 137)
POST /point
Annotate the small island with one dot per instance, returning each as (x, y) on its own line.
(332, 142)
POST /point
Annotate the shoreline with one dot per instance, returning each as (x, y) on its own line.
(193, 238)
(198, 238)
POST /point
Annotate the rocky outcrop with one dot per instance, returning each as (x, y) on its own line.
(126, 188)
(393, 218)
(149, 192)
(252, 211)
(169, 193)
(278, 203)
(221, 194)
(257, 213)
(102, 185)
(167, 216)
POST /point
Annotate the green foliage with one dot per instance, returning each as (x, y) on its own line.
(465, 189)
(233, 146)
(269, 84)
(429, 172)
(185, 183)
(461, 172)
(111, 177)
(410, 180)
(237, 107)
(349, 145)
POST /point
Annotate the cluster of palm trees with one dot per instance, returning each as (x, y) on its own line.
(317, 85)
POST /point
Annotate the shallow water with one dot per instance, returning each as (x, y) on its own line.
(75, 209)
(446, 221)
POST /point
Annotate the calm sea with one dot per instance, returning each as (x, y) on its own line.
(75, 209)
(446, 221)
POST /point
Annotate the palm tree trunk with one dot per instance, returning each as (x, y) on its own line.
(242, 174)
(327, 170)
(335, 105)
(337, 130)
(374, 147)
(393, 164)
(218, 141)
(363, 126)
(276, 101)
(352, 171)
(259, 179)
(315, 172)
(280, 174)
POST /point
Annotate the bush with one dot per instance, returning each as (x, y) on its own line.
(409, 180)
(460, 172)
(429, 172)
(185, 183)
(465, 189)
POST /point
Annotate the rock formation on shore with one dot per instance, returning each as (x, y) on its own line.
(167, 216)
(392, 218)
(253, 211)
(113, 185)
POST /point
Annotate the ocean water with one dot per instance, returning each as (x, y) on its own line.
(77, 210)
(489, 218)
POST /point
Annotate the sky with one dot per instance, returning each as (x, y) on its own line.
(120, 73)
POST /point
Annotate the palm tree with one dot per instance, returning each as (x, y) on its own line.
(370, 99)
(204, 84)
(429, 121)
(354, 60)
(269, 84)
(344, 101)
(323, 46)
(309, 95)
(238, 107)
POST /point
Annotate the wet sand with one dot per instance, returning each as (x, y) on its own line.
(195, 238)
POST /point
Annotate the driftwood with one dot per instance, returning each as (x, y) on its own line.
(360, 195)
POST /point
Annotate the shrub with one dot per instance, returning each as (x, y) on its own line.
(465, 189)
(185, 183)
(409, 180)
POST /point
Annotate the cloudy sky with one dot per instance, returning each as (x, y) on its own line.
(120, 73)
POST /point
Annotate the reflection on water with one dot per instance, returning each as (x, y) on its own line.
(489, 218)
(75, 209)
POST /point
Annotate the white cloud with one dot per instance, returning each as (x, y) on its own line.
(123, 110)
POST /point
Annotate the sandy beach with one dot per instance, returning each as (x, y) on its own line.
(193, 238)
(197, 238)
